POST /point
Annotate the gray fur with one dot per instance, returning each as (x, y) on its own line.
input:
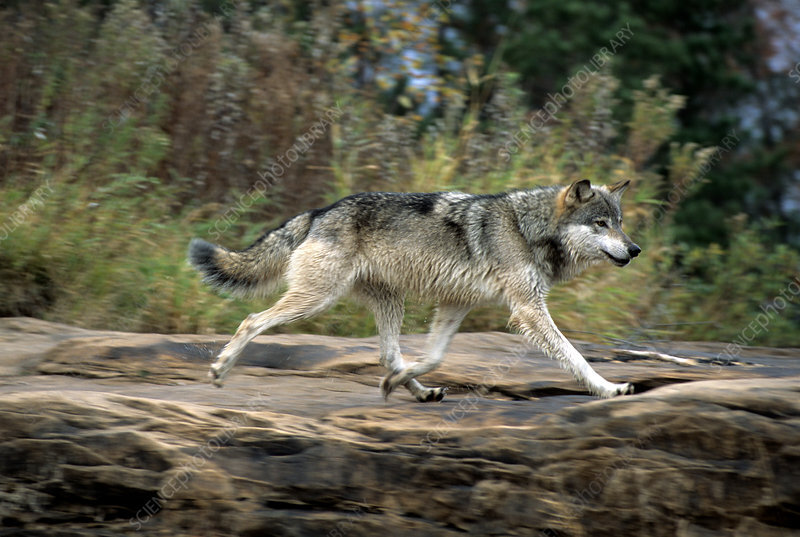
(460, 250)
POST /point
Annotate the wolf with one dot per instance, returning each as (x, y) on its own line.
(459, 250)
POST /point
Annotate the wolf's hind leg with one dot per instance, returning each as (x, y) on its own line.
(291, 307)
(388, 310)
(311, 291)
(445, 324)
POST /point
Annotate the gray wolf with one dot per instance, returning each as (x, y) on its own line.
(458, 249)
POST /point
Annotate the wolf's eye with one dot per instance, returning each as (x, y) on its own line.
(600, 223)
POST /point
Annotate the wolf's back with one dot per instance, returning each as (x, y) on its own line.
(256, 270)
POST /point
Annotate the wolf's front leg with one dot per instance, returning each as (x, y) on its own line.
(534, 322)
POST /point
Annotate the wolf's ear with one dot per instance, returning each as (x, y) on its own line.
(578, 192)
(618, 188)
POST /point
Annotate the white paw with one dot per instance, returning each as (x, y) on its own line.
(217, 374)
(621, 389)
(613, 390)
(389, 383)
(431, 395)
(625, 388)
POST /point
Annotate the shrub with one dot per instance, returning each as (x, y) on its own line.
(148, 127)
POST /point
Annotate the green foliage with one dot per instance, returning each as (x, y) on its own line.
(707, 51)
(149, 128)
(740, 282)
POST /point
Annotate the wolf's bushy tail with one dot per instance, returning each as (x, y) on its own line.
(254, 271)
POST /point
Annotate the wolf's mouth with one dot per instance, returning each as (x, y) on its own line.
(617, 260)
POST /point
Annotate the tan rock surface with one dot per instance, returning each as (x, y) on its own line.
(108, 433)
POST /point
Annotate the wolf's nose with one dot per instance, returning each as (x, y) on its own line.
(634, 250)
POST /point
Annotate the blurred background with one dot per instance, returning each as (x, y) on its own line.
(128, 127)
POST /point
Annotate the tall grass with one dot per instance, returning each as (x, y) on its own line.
(107, 247)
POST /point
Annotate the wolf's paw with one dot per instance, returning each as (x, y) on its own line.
(389, 383)
(618, 389)
(217, 374)
(431, 395)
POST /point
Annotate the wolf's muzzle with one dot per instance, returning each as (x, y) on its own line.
(632, 250)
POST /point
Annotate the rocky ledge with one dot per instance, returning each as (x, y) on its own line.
(110, 433)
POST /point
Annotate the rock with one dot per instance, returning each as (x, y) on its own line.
(108, 433)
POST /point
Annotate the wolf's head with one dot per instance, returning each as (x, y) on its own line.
(590, 221)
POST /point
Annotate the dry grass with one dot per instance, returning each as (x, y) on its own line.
(205, 110)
